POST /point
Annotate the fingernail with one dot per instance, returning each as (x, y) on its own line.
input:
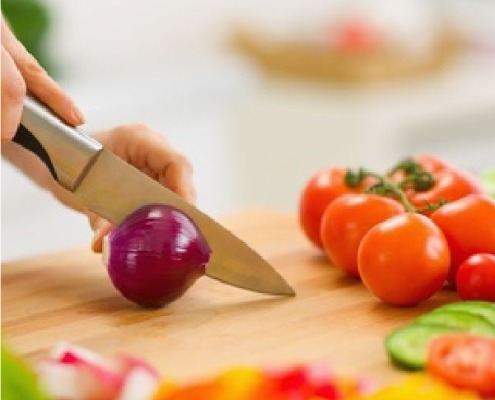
(96, 242)
(77, 115)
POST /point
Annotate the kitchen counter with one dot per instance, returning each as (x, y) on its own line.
(67, 296)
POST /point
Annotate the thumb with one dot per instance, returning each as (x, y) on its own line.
(101, 228)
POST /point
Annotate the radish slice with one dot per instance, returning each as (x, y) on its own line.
(89, 376)
(60, 381)
(127, 363)
(140, 384)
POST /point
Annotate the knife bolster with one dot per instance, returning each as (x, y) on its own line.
(66, 151)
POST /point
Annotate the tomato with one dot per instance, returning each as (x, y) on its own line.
(469, 226)
(475, 278)
(323, 188)
(465, 361)
(450, 183)
(404, 260)
(346, 221)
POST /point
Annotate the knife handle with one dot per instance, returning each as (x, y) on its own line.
(65, 150)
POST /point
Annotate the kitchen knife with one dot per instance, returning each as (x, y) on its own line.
(113, 189)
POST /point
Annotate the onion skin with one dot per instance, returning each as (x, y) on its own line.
(155, 255)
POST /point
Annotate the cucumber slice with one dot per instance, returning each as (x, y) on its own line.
(484, 308)
(458, 320)
(407, 347)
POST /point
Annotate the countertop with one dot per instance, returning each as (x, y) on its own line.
(67, 296)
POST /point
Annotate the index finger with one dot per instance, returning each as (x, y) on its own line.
(38, 82)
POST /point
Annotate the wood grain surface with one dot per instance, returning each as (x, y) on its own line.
(68, 296)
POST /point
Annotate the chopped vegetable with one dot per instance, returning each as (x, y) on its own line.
(458, 320)
(478, 307)
(419, 386)
(488, 181)
(155, 255)
(75, 373)
(18, 381)
(407, 347)
(464, 361)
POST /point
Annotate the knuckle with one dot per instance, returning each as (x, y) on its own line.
(135, 130)
(31, 67)
(183, 162)
(14, 89)
(137, 127)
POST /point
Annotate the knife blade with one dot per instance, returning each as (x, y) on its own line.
(113, 189)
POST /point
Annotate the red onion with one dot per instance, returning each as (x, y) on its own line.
(155, 255)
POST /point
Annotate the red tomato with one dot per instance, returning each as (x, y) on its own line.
(469, 226)
(404, 260)
(347, 220)
(450, 183)
(323, 188)
(475, 278)
(464, 361)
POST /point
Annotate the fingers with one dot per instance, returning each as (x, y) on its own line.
(13, 92)
(178, 176)
(37, 80)
(150, 152)
(172, 169)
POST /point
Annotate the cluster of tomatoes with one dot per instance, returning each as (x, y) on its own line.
(405, 233)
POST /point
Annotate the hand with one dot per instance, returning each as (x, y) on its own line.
(20, 73)
(150, 152)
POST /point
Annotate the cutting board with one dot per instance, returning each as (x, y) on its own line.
(333, 320)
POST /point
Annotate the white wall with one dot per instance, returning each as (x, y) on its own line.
(167, 63)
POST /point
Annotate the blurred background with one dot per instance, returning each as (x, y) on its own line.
(261, 94)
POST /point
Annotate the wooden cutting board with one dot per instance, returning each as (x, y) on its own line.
(67, 296)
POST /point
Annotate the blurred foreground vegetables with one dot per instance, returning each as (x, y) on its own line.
(419, 386)
(488, 181)
(75, 373)
(18, 381)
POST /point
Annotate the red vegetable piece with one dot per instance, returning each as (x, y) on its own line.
(464, 361)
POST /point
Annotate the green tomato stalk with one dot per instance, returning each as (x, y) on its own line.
(415, 177)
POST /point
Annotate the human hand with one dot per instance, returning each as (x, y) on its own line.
(150, 152)
(20, 73)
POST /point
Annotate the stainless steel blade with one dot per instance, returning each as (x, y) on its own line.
(113, 189)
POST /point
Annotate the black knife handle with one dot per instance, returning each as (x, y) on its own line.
(24, 138)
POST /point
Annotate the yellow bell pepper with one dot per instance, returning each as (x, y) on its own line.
(419, 386)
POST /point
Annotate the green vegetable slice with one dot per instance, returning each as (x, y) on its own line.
(18, 381)
(488, 181)
(458, 320)
(407, 347)
(484, 308)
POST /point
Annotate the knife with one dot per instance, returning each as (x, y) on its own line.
(113, 189)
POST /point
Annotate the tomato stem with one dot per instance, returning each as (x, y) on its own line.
(415, 178)
(386, 187)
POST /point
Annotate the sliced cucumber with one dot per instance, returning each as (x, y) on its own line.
(407, 347)
(484, 308)
(458, 320)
